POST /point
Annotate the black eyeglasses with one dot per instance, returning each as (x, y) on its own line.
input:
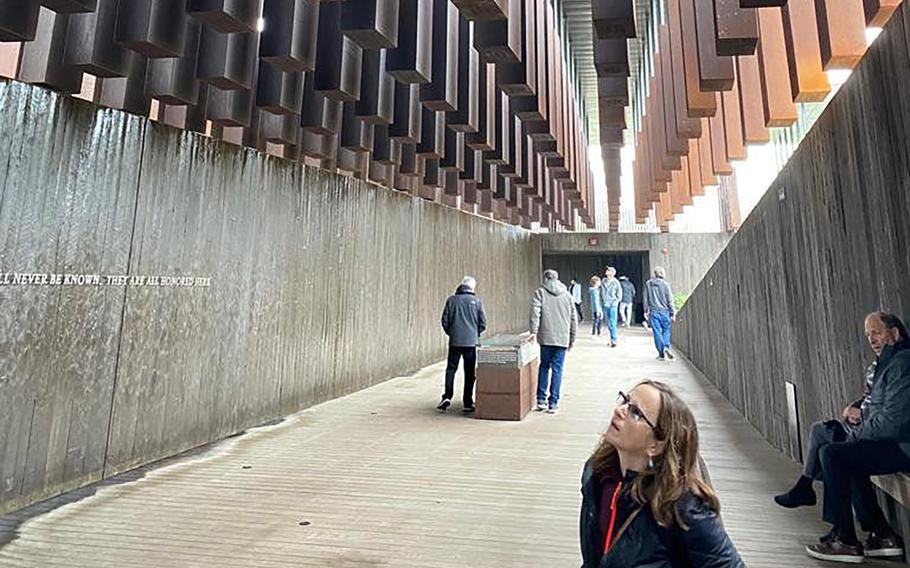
(635, 411)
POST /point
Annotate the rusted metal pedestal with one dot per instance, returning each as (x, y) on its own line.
(506, 377)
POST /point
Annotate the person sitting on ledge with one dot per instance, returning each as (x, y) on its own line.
(645, 499)
(871, 438)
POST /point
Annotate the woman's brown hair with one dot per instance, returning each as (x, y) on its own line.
(676, 471)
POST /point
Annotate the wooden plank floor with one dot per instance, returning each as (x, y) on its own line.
(380, 478)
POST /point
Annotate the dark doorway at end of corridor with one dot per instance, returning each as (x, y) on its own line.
(582, 266)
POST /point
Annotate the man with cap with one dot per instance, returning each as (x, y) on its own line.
(463, 320)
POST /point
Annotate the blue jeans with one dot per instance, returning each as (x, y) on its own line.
(610, 315)
(660, 329)
(550, 358)
(598, 319)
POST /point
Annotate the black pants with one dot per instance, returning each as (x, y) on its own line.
(470, 362)
(846, 467)
(581, 317)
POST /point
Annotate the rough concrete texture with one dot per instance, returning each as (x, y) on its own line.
(319, 285)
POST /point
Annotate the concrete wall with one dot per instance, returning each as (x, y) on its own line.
(827, 244)
(686, 256)
(319, 286)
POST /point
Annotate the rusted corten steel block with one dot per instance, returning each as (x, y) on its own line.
(42, 59)
(441, 93)
(91, 44)
(520, 79)
(227, 60)
(372, 24)
(377, 89)
(482, 92)
(611, 57)
(841, 32)
(411, 61)
(500, 41)
(684, 38)
(290, 44)
(808, 81)
(227, 16)
(483, 9)
(878, 12)
(776, 92)
(154, 28)
(279, 92)
(69, 6)
(173, 80)
(18, 20)
(737, 28)
(613, 18)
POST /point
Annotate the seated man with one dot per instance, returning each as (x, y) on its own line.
(873, 441)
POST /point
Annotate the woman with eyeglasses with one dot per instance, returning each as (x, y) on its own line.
(645, 502)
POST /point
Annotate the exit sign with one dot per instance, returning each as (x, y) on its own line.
(592, 241)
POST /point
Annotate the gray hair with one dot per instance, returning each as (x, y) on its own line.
(469, 282)
(660, 272)
(550, 274)
(610, 270)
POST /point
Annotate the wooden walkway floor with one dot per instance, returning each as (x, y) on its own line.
(381, 479)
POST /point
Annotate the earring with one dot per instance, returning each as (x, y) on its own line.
(650, 462)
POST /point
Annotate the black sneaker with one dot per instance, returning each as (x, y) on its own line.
(444, 404)
(836, 550)
(669, 355)
(468, 409)
(796, 497)
(883, 546)
(661, 358)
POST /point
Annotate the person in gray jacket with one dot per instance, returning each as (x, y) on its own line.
(876, 441)
(657, 299)
(554, 323)
(463, 320)
(612, 295)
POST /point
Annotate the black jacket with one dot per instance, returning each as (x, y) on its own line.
(889, 400)
(463, 318)
(645, 544)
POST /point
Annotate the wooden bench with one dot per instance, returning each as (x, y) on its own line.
(897, 485)
(894, 497)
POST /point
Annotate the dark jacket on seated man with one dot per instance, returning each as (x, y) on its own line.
(888, 410)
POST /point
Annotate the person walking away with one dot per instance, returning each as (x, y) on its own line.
(597, 309)
(575, 290)
(553, 323)
(463, 320)
(657, 299)
(645, 500)
(628, 298)
(612, 294)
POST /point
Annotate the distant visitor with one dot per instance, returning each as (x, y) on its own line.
(597, 307)
(612, 295)
(657, 299)
(575, 290)
(628, 298)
